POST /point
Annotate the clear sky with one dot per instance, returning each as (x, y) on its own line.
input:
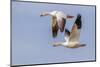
(32, 36)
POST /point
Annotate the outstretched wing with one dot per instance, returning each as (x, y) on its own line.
(78, 21)
(75, 33)
(61, 23)
(61, 19)
(54, 26)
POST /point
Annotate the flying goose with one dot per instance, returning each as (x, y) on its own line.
(72, 38)
(58, 21)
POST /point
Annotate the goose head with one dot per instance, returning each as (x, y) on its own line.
(44, 14)
(52, 13)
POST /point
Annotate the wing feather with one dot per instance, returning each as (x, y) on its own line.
(54, 27)
(61, 23)
(75, 33)
(79, 21)
(61, 19)
(67, 34)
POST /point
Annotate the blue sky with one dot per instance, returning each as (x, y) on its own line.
(32, 38)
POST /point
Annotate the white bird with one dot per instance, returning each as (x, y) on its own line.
(58, 21)
(72, 38)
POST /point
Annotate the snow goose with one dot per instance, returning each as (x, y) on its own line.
(58, 21)
(72, 38)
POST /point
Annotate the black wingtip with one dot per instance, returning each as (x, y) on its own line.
(79, 16)
(54, 32)
(54, 35)
(78, 21)
(67, 32)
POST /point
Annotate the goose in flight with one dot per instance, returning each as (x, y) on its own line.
(58, 21)
(72, 38)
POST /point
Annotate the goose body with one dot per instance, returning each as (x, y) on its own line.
(58, 21)
(72, 38)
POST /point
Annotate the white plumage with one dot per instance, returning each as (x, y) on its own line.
(58, 21)
(72, 38)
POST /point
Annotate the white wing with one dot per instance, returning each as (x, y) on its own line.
(61, 20)
(61, 14)
(74, 37)
(53, 13)
(75, 34)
